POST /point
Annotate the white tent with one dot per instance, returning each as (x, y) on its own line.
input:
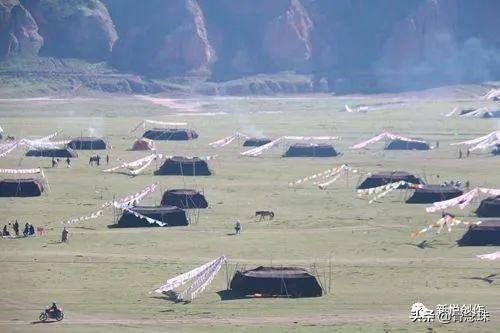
(482, 143)
(383, 136)
(492, 95)
(257, 151)
(199, 278)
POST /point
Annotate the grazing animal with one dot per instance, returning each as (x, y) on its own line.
(10, 138)
(263, 213)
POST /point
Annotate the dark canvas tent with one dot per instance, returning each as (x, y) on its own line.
(172, 134)
(486, 233)
(492, 114)
(489, 207)
(434, 193)
(87, 143)
(58, 152)
(383, 178)
(407, 145)
(184, 198)
(465, 111)
(184, 166)
(496, 150)
(276, 281)
(310, 150)
(173, 216)
(256, 142)
(28, 187)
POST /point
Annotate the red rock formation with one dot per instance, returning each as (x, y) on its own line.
(81, 29)
(187, 45)
(286, 39)
(18, 31)
(174, 33)
(429, 34)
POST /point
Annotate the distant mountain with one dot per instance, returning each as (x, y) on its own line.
(342, 45)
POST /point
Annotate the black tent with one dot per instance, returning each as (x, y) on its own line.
(58, 152)
(170, 134)
(486, 233)
(87, 143)
(184, 166)
(184, 198)
(173, 216)
(492, 114)
(434, 193)
(310, 150)
(496, 150)
(256, 142)
(384, 178)
(465, 111)
(27, 187)
(489, 207)
(407, 145)
(276, 281)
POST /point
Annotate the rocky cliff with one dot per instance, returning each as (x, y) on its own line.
(342, 44)
(18, 31)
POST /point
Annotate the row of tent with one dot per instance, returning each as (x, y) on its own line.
(171, 210)
(69, 151)
(298, 149)
(429, 193)
(485, 233)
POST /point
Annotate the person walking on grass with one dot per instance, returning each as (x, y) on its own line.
(107, 159)
(68, 162)
(65, 236)
(237, 227)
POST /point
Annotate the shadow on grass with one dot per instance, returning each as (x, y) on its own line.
(83, 228)
(54, 242)
(36, 322)
(228, 295)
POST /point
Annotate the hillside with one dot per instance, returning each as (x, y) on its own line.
(207, 46)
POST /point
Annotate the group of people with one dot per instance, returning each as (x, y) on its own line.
(461, 155)
(29, 230)
(55, 162)
(457, 183)
(96, 160)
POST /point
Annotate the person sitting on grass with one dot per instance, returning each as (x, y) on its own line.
(32, 230)
(5, 232)
(26, 230)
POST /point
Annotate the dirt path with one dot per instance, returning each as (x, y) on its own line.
(369, 261)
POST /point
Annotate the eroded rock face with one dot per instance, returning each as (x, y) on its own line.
(428, 34)
(74, 28)
(18, 31)
(174, 33)
(286, 39)
(352, 44)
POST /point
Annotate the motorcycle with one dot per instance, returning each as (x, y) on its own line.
(52, 314)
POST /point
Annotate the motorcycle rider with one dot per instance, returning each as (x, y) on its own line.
(53, 309)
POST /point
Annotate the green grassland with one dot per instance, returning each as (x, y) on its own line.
(104, 277)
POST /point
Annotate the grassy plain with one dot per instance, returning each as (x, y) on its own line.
(103, 277)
